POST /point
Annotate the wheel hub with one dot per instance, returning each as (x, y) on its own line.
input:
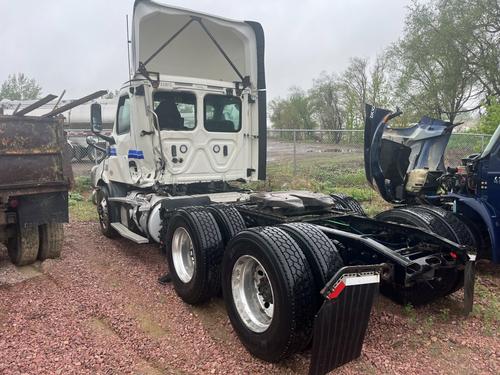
(252, 293)
(183, 255)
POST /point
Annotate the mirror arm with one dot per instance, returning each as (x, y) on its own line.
(107, 138)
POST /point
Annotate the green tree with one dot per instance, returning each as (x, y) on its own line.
(477, 35)
(379, 87)
(355, 90)
(20, 87)
(325, 99)
(293, 112)
(491, 120)
(433, 74)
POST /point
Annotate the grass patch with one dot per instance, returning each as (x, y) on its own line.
(81, 207)
(82, 210)
(487, 306)
(82, 185)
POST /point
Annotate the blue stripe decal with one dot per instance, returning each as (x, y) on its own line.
(135, 154)
(112, 151)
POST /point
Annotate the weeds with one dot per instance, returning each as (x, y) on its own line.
(444, 314)
(410, 312)
(80, 205)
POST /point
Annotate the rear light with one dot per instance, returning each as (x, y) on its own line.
(453, 255)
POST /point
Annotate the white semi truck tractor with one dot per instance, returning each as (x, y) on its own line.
(294, 267)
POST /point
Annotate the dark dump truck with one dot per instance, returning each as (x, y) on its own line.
(35, 176)
(34, 181)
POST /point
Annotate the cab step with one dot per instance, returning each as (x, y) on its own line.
(127, 233)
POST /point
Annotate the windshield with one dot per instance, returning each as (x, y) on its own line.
(494, 139)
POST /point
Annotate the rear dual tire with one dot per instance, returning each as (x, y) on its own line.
(32, 242)
(280, 276)
(271, 276)
(194, 253)
(23, 246)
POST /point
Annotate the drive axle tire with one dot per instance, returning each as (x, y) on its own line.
(194, 250)
(107, 212)
(268, 291)
(229, 220)
(51, 241)
(23, 247)
(320, 252)
(348, 203)
(447, 280)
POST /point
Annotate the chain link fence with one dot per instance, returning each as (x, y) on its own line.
(312, 159)
(333, 160)
(83, 156)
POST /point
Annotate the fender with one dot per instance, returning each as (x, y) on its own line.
(489, 217)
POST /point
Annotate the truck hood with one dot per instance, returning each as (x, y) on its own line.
(180, 42)
(392, 154)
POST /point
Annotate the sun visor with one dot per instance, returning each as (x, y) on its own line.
(180, 42)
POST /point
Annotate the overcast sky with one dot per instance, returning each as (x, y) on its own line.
(80, 45)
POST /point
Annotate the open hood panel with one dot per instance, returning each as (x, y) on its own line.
(190, 50)
(401, 163)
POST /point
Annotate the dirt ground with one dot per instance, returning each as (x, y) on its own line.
(100, 310)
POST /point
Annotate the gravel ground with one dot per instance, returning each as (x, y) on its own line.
(99, 309)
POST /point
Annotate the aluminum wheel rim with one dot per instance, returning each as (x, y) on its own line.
(183, 254)
(252, 293)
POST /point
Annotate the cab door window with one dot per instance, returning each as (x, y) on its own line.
(175, 110)
(123, 115)
(222, 113)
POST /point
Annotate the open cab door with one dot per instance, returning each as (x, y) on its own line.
(402, 163)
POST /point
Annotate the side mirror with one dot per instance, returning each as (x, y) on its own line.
(95, 118)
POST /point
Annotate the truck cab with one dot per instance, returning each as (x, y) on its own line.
(194, 110)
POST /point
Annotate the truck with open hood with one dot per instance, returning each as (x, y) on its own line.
(406, 166)
(294, 267)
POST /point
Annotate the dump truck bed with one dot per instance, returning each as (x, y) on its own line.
(32, 156)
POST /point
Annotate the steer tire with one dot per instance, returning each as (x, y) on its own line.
(462, 233)
(108, 213)
(320, 252)
(23, 247)
(229, 220)
(207, 251)
(292, 287)
(51, 241)
(447, 280)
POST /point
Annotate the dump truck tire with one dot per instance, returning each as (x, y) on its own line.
(446, 281)
(229, 220)
(51, 241)
(23, 247)
(268, 290)
(320, 252)
(194, 249)
(107, 213)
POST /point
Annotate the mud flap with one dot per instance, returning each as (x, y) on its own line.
(469, 278)
(340, 325)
